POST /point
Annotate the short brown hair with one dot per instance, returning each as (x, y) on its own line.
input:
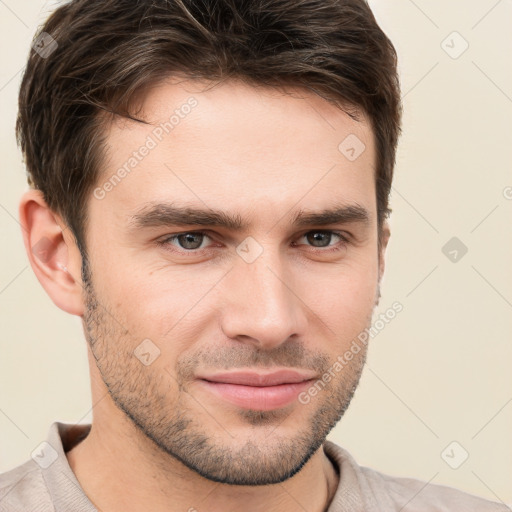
(109, 50)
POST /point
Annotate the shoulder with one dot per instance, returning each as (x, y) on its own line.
(49, 483)
(389, 493)
(24, 488)
(422, 496)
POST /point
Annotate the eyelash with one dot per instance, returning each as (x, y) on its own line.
(341, 246)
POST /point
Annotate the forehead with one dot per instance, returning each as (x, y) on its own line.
(232, 146)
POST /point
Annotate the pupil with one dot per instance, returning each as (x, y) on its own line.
(187, 240)
(318, 237)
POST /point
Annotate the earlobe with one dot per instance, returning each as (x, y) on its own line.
(52, 252)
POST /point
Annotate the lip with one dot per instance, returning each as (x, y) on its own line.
(258, 390)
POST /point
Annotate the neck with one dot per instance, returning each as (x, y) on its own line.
(119, 468)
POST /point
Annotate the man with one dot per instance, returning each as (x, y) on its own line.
(210, 186)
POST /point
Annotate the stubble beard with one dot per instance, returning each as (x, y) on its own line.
(159, 405)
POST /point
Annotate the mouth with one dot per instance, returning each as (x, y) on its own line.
(262, 391)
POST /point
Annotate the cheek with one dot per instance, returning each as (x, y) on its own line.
(158, 302)
(345, 301)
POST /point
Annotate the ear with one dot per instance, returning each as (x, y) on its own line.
(52, 252)
(385, 234)
(384, 239)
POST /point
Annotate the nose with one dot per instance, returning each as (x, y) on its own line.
(263, 308)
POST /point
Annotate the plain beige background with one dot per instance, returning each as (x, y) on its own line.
(440, 371)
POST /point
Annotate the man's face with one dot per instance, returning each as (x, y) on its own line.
(182, 328)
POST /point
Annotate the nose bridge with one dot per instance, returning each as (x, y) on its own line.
(262, 305)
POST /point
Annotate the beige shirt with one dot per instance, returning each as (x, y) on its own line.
(46, 483)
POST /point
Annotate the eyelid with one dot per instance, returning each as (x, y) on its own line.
(342, 234)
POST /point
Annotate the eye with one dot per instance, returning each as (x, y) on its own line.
(322, 238)
(193, 241)
(189, 241)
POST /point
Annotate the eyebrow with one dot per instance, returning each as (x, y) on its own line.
(168, 214)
